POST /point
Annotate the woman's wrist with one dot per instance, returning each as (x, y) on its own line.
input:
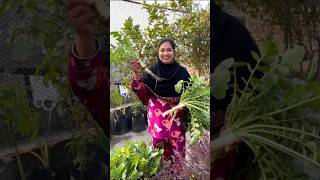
(136, 76)
(76, 54)
(85, 46)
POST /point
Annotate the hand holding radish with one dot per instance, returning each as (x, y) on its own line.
(82, 15)
(136, 68)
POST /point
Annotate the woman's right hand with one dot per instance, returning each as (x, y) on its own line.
(136, 68)
(82, 15)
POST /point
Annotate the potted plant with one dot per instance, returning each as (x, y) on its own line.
(19, 117)
(46, 170)
(88, 150)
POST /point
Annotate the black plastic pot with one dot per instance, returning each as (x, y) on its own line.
(128, 122)
(96, 167)
(139, 121)
(125, 123)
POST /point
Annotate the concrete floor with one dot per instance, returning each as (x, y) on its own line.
(118, 140)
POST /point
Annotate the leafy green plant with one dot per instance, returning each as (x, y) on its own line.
(78, 147)
(123, 52)
(275, 115)
(84, 134)
(43, 157)
(46, 30)
(135, 160)
(195, 96)
(116, 98)
(19, 117)
(190, 30)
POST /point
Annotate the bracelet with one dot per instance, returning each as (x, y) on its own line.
(74, 52)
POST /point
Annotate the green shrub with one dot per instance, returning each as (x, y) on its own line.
(134, 161)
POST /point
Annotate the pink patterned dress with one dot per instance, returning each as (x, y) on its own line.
(167, 132)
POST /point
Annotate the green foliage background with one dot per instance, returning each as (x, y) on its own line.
(274, 116)
(44, 28)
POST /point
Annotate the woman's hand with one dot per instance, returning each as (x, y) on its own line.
(82, 16)
(231, 145)
(136, 68)
(226, 145)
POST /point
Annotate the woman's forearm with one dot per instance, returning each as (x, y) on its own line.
(85, 46)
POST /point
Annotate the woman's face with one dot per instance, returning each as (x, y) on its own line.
(166, 53)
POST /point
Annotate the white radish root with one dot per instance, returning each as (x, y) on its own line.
(102, 8)
(224, 141)
(148, 71)
(174, 109)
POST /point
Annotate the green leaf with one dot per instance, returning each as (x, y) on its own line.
(221, 78)
(128, 24)
(255, 55)
(196, 125)
(268, 48)
(272, 79)
(178, 86)
(283, 71)
(293, 57)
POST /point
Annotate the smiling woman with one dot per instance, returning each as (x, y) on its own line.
(167, 131)
(157, 66)
(166, 52)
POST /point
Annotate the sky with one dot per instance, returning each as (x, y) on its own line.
(120, 11)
